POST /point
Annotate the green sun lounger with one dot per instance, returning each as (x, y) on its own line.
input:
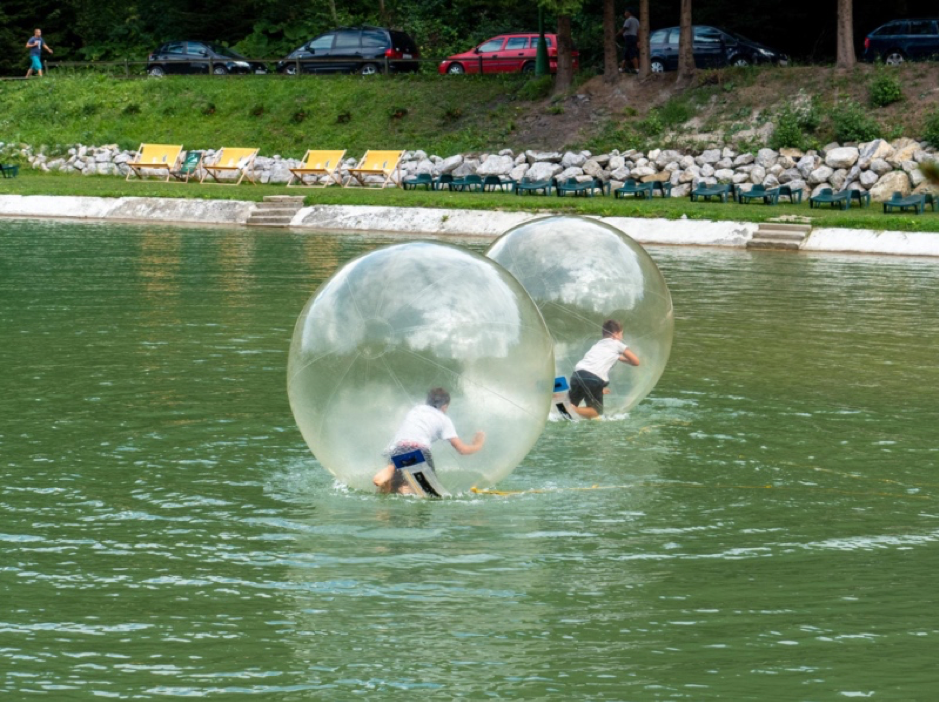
(827, 197)
(758, 192)
(527, 185)
(631, 187)
(897, 202)
(494, 182)
(787, 191)
(574, 187)
(721, 190)
(416, 181)
(467, 183)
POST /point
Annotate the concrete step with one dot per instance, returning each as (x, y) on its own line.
(275, 208)
(282, 221)
(284, 198)
(783, 226)
(779, 234)
(774, 244)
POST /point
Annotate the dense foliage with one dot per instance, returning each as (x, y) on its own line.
(81, 30)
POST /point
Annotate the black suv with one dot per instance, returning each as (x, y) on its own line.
(902, 40)
(712, 48)
(354, 50)
(199, 57)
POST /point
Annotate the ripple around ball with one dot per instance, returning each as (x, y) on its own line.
(392, 324)
(581, 272)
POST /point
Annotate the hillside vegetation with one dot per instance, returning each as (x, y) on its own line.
(805, 107)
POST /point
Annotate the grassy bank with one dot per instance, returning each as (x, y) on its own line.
(873, 217)
(280, 115)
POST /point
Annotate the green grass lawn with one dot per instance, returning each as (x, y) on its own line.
(33, 183)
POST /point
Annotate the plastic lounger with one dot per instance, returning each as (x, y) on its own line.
(917, 203)
(236, 161)
(827, 197)
(758, 192)
(317, 164)
(9, 171)
(631, 187)
(526, 185)
(155, 157)
(573, 187)
(721, 190)
(786, 191)
(468, 183)
(662, 187)
(493, 182)
(442, 181)
(385, 164)
(418, 180)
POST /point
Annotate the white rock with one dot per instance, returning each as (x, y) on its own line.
(758, 174)
(766, 157)
(842, 157)
(572, 160)
(744, 159)
(806, 165)
(880, 167)
(895, 181)
(496, 165)
(616, 162)
(451, 164)
(868, 178)
(819, 175)
(710, 156)
(707, 171)
(725, 175)
(543, 170)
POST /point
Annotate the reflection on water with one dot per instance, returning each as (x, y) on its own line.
(763, 526)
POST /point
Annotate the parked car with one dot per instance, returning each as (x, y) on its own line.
(712, 47)
(506, 53)
(354, 50)
(199, 57)
(902, 40)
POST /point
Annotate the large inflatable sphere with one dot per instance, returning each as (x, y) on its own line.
(394, 323)
(581, 272)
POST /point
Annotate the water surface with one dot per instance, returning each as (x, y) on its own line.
(764, 526)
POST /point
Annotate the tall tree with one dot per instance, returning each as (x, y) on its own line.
(610, 67)
(565, 74)
(686, 67)
(645, 67)
(846, 57)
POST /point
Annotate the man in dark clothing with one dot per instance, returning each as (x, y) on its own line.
(35, 45)
(630, 34)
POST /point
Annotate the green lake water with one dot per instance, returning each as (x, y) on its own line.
(765, 526)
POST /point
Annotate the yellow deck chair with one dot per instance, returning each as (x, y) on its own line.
(318, 163)
(383, 163)
(239, 162)
(155, 157)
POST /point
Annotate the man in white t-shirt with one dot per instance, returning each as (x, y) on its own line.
(422, 426)
(592, 374)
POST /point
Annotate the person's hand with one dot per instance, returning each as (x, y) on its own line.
(479, 439)
(606, 391)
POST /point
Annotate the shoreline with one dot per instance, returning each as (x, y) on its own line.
(447, 222)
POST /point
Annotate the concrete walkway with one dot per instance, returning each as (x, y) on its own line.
(428, 222)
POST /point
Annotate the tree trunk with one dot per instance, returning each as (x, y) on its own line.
(644, 68)
(610, 58)
(846, 56)
(332, 11)
(686, 66)
(565, 76)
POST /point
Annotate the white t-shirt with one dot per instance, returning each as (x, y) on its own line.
(601, 357)
(424, 425)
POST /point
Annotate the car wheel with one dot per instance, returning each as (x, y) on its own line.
(456, 69)
(290, 69)
(740, 61)
(657, 66)
(528, 68)
(368, 69)
(219, 70)
(894, 58)
(156, 71)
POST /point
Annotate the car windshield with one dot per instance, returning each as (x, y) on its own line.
(225, 51)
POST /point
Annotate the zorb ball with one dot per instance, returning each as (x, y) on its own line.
(581, 272)
(394, 323)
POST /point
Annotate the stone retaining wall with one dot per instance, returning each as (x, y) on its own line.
(880, 167)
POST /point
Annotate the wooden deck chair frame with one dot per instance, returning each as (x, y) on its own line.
(376, 163)
(318, 163)
(155, 157)
(241, 167)
(191, 171)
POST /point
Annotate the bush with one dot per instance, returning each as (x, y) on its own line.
(850, 122)
(788, 131)
(884, 89)
(931, 129)
(537, 88)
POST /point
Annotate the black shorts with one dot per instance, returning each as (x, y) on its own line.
(588, 388)
(631, 50)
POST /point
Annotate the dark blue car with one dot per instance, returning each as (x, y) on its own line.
(903, 40)
(712, 47)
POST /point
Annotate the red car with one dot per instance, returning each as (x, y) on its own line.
(506, 53)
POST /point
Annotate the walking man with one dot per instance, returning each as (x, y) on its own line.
(630, 34)
(35, 45)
